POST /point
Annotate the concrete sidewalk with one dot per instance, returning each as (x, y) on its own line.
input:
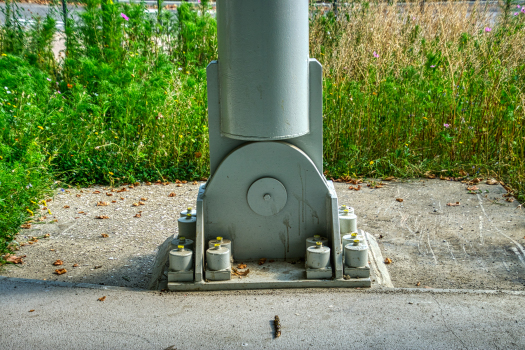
(66, 316)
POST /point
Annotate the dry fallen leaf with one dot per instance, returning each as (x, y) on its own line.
(102, 204)
(430, 176)
(78, 195)
(102, 298)
(102, 217)
(32, 310)
(121, 198)
(137, 215)
(240, 273)
(113, 201)
(135, 204)
(60, 271)
(104, 235)
(418, 284)
(142, 203)
(26, 226)
(345, 178)
(97, 267)
(109, 194)
(136, 184)
(58, 262)
(195, 183)
(75, 265)
(510, 199)
(184, 182)
(453, 204)
(492, 182)
(81, 212)
(241, 266)
(472, 188)
(14, 259)
(390, 178)
(143, 199)
(179, 185)
(113, 190)
(388, 261)
(46, 235)
(399, 199)
(66, 206)
(172, 194)
(177, 181)
(148, 183)
(462, 173)
(131, 186)
(96, 192)
(262, 261)
(165, 183)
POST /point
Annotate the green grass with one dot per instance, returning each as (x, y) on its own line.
(126, 101)
(443, 95)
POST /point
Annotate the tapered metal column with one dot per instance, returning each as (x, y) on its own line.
(263, 68)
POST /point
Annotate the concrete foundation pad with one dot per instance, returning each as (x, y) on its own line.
(476, 245)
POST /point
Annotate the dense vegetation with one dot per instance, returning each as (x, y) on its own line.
(406, 92)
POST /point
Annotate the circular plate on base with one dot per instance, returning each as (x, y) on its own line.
(267, 196)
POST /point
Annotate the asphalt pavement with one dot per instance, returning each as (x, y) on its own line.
(57, 315)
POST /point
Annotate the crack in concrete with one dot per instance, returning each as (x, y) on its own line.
(445, 322)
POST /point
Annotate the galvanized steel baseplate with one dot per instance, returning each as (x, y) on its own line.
(275, 275)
